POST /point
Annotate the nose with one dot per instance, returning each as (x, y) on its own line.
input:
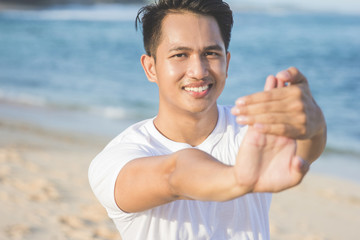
(198, 67)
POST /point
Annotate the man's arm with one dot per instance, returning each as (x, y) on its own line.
(286, 108)
(264, 163)
(148, 182)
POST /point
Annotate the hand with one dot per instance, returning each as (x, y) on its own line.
(285, 108)
(267, 163)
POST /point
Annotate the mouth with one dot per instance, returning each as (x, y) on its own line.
(197, 89)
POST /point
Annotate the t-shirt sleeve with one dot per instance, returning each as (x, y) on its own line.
(105, 168)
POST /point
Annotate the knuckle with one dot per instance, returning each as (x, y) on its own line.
(271, 119)
(298, 106)
(243, 110)
(247, 100)
(267, 95)
(264, 108)
(250, 120)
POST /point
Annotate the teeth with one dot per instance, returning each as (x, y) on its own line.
(196, 89)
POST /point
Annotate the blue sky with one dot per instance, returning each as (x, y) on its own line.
(343, 6)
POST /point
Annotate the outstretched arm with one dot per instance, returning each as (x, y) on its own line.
(148, 182)
(265, 163)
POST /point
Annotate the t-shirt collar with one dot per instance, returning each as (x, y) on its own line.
(205, 146)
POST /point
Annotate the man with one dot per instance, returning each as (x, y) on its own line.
(198, 170)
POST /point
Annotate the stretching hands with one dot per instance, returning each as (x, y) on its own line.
(287, 131)
(285, 108)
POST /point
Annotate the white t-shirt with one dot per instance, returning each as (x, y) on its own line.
(243, 218)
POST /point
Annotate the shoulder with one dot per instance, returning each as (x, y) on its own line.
(137, 133)
(131, 144)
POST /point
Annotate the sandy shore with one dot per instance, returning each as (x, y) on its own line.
(45, 193)
(44, 188)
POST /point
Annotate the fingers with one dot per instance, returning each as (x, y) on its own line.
(273, 87)
(292, 76)
(270, 83)
(271, 123)
(261, 97)
(276, 100)
(289, 125)
(283, 108)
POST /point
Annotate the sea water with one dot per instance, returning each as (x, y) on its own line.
(78, 68)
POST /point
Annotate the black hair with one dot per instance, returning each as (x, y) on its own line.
(152, 15)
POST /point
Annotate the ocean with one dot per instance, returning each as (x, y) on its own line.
(77, 68)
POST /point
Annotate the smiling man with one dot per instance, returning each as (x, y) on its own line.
(199, 170)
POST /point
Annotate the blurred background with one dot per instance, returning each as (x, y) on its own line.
(74, 65)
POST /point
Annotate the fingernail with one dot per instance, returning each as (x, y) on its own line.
(235, 111)
(284, 74)
(242, 119)
(240, 102)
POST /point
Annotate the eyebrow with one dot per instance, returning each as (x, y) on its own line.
(215, 47)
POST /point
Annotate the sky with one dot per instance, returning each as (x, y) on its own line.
(343, 6)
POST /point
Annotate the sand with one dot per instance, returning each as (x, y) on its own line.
(44, 193)
(44, 188)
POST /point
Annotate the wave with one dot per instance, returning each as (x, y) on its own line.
(99, 12)
(347, 151)
(110, 112)
(22, 99)
(281, 7)
(135, 112)
(107, 111)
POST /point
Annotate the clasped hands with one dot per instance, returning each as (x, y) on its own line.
(282, 115)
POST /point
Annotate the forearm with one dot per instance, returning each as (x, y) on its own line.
(197, 175)
(148, 182)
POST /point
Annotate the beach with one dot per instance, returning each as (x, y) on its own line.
(45, 192)
(71, 80)
(44, 188)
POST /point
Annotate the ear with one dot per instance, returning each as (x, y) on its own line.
(148, 64)
(228, 56)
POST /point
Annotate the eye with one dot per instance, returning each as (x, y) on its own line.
(214, 54)
(179, 55)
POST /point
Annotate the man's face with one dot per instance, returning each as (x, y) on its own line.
(191, 63)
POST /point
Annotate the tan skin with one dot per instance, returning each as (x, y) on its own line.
(190, 70)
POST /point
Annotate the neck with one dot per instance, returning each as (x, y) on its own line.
(190, 128)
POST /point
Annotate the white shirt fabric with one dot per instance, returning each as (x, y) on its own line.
(244, 218)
